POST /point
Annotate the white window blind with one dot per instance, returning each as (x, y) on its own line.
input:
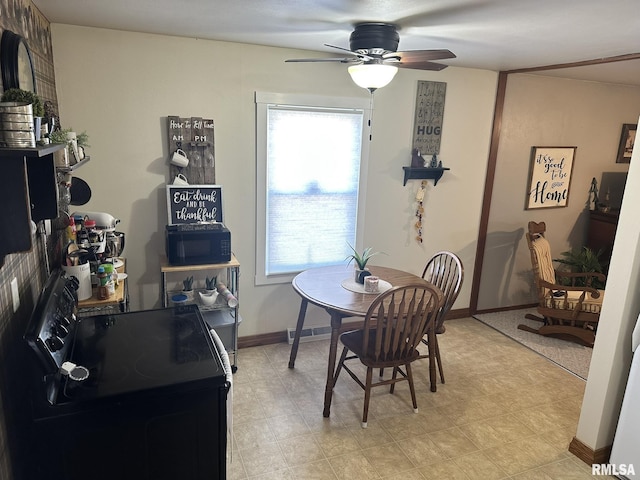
(312, 169)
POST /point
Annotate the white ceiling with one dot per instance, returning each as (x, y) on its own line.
(489, 34)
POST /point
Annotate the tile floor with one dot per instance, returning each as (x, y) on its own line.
(505, 412)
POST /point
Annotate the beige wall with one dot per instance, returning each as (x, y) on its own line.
(612, 350)
(548, 111)
(120, 87)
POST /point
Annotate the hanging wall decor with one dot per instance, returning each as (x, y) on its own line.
(193, 138)
(420, 210)
(627, 140)
(549, 177)
(427, 128)
(194, 204)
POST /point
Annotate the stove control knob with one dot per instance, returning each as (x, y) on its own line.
(64, 321)
(54, 343)
(61, 331)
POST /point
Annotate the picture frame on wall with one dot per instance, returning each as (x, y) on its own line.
(627, 140)
(549, 177)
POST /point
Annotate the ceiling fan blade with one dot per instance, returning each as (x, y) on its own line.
(357, 54)
(341, 60)
(419, 65)
(420, 55)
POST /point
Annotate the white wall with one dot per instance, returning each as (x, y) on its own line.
(548, 111)
(611, 358)
(120, 87)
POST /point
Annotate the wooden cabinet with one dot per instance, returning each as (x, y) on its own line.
(223, 318)
(602, 232)
(28, 191)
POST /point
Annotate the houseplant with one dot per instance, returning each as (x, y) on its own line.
(361, 260)
(187, 285)
(583, 260)
(210, 295)
(25, 96)
(62, 136)
(210, 284)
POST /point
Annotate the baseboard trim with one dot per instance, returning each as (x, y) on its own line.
(281, 337)
(506, 309)
(587, 454)
(459, 313)
(262, 339)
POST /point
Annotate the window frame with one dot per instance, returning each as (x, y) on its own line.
(265, 99)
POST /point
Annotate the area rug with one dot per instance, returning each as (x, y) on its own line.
(570, 356)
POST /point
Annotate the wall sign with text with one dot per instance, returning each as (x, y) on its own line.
(427, 123)
(549, 177)
(194, 203)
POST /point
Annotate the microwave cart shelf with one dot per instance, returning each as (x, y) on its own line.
(219, 316)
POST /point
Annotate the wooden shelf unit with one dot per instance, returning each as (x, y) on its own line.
(222, 318)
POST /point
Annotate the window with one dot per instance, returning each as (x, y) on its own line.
(310, 153)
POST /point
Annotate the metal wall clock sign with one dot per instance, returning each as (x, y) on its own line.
(549, 177)
(427, 125)
(16, 63)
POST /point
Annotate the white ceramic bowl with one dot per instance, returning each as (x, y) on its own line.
(208, 299)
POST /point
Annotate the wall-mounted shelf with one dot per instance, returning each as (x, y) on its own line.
(422, 173)
(75, 166)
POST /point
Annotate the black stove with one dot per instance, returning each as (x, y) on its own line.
(139, 395)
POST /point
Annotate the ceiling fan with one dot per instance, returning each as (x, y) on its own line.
(374, 57)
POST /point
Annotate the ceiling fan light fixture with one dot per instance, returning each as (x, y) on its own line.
(372, 76)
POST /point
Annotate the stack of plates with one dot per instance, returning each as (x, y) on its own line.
(16, 125)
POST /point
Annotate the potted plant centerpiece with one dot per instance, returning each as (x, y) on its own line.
(25, 96)
(361, 260)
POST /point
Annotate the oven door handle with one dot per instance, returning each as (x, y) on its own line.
(224, 356)
(226, 364)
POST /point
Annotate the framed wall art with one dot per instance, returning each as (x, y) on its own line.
(549, 177)
(194, 203)
(627, 140)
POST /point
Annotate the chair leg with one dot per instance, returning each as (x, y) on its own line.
(439, 362)
(367, 397)
(393, 377)
(412, 387)
(340, 363)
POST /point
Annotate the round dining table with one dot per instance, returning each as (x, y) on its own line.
(334, 289)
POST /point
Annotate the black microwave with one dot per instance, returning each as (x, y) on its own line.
(198, 243)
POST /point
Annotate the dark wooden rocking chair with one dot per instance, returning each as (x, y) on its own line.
(568, 312)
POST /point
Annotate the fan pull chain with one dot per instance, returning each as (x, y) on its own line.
(420, 209)
(371, 116)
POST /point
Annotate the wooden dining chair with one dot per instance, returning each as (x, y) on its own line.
(445, 271)
(393, 327)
